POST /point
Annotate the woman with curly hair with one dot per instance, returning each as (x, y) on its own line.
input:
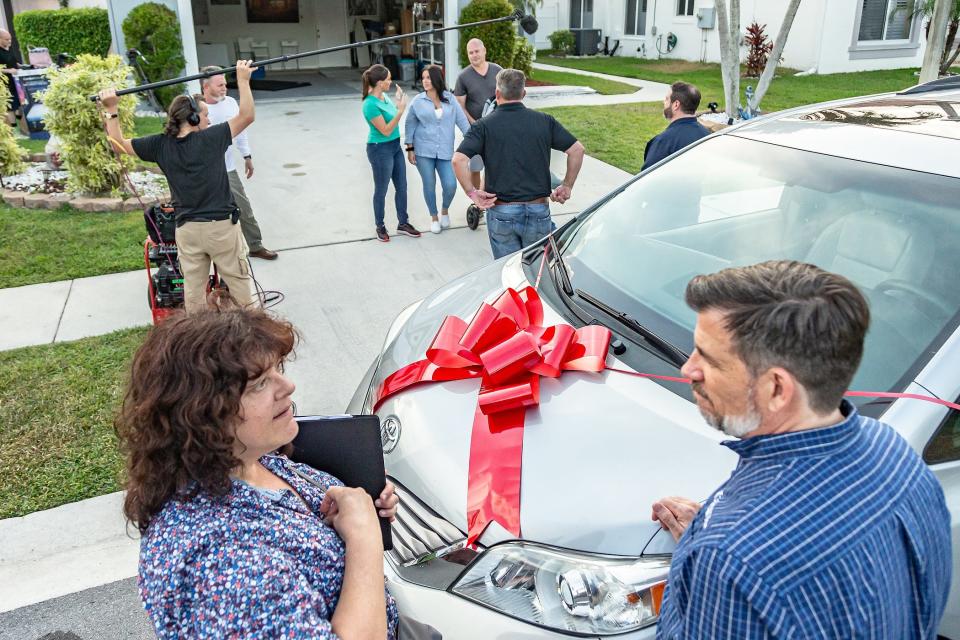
(238, 540)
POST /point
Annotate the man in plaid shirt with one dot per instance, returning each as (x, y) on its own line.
(831, 526)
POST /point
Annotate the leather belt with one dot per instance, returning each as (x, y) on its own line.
(542, 200)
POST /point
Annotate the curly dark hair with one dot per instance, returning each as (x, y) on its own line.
(176, 425)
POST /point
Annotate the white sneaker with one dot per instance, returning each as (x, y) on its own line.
(445, 221)
(435, 227)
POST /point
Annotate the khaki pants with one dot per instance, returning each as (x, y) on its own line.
(248, 224)
(220, 241)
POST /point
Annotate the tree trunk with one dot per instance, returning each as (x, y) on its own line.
(767, 76)
(935, 41)
(728, 25)
(947, 61)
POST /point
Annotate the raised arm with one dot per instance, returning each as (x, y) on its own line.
(245, 118)
(110, 102)
(386, 128)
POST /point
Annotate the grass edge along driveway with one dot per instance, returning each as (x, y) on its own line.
(57, 404)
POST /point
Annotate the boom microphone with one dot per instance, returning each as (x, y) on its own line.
(527, 22)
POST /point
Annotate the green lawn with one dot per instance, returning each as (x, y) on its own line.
(622, 145)
(144, 126)
(37, 245)
(57, 404)
(600, 85)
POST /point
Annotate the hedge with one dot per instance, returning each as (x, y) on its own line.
(499, 38)
(155, 31)
(73, 31)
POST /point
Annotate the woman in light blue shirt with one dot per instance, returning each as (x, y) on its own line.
(430, 124)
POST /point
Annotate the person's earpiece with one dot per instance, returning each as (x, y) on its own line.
(194, 117)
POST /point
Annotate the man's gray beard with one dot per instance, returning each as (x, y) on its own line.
(736, 426)
(217, 99)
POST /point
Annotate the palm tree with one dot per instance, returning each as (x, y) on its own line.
(952, 47)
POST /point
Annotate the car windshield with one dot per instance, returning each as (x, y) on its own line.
(731, 201)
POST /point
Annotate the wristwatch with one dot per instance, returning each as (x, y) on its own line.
(248, 157)
(113, 115)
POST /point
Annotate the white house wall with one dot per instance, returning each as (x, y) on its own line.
(821, 35)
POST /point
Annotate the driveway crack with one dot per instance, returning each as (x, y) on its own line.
(62, 311)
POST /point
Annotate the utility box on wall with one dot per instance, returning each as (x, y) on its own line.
(706, 17)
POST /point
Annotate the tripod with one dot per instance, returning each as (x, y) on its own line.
(134, 56)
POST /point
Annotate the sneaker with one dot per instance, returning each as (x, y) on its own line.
(382, 234)
(435, 226)
(407, 229)
(445, 221)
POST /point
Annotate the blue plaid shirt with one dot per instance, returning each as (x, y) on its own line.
(840, 532)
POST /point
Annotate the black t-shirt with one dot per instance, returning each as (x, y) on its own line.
(515, 144)
(195, 169)
(9, 60)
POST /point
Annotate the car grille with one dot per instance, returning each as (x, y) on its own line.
(419, 533)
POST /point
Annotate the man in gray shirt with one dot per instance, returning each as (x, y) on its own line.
(476, 91)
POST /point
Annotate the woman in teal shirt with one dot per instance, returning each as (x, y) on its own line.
(383, 148)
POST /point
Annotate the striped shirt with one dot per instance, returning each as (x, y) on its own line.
(839, 532)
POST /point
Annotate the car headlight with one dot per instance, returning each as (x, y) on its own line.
(565, 590)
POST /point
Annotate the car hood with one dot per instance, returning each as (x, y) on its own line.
(597, 452)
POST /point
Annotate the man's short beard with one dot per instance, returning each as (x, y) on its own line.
(736, 426)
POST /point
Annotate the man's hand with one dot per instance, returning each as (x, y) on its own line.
(675, 514)
(387, 502)
(561, 194)
(483, 199)
(243, 71)
(248, 165)
(108, 98)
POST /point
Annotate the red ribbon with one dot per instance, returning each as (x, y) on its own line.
(506, 346)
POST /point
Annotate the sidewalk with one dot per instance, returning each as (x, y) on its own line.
(646, 91)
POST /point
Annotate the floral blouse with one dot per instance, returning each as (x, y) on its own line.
(245, 565)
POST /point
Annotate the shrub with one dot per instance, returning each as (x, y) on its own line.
(500, 38)
(523, 56)
(562, 41)
(11, 155)
(758, 49)
(92, 165)
(73, 31)
(155, 31)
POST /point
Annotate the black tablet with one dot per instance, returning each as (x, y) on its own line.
(349, 449)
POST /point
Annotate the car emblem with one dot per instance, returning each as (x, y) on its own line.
(390, 433)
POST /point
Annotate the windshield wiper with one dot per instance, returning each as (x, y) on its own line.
(674, 354)
(565, 283)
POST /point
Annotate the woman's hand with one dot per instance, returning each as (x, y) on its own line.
(108, 98)
(350, 511)
(412, 159)
(400, 98)
(388, 500)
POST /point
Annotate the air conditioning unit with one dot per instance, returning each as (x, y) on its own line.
(586, 42)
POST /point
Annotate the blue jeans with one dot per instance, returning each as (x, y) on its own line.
(386, 159)
(429, 169)
(512, 227)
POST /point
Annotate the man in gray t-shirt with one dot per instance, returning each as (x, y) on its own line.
(476, 91)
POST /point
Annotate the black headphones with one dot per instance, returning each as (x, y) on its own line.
(193, 118)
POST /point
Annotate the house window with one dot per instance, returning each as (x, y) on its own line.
(636, 18)
(684, 7)
(581, 14)
(885, 20)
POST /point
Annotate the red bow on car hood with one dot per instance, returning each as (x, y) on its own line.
(507, 348)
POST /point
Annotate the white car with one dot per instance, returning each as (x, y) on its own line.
(867, 187)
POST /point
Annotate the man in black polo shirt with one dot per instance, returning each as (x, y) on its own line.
(680, 108)
(190, 153)
(515, 144)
